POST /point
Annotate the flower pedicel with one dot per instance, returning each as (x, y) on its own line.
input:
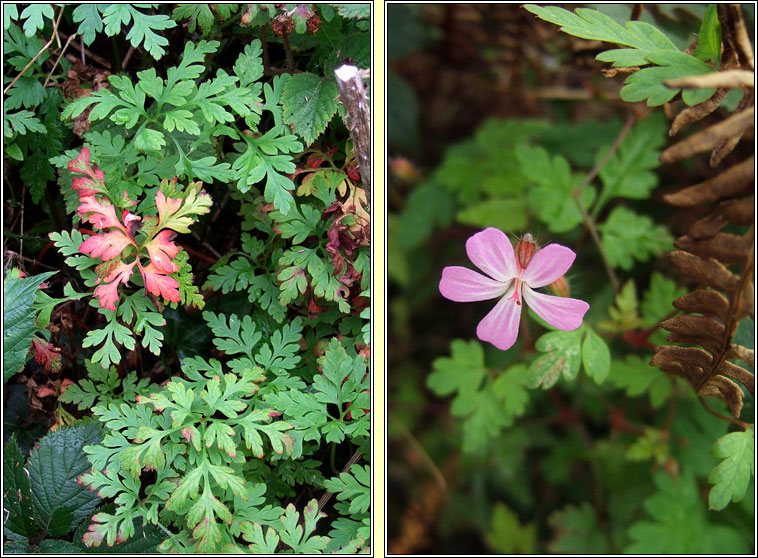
(512, 277)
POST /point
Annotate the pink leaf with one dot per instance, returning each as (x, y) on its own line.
(107, 293)
(102, 215)
(162, 250)
(95, 181)
(157, 283)
(107, 246)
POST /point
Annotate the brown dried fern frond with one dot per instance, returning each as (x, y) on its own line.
(705, 253)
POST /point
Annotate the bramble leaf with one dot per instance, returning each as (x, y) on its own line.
(309, 103)
(18, 321)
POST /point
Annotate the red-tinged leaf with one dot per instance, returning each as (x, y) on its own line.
(101, 215)
(48, 356)
(85, 186)
(81, 163)
(162, 250)
(166, 206)
(158, 284)
(107, 293)
(106, 246)
(94, 182)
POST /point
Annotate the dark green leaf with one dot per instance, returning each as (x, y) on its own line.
(18, 321)
(59, 501)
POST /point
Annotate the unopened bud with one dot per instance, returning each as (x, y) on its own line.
(525, 249)
(560, 287)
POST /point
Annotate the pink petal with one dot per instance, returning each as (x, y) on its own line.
(500, 326)
(492, 252)
(562, 313)
(548, 264)
(465, 285)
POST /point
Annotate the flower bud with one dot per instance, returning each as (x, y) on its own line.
(525, 249)
(560, 287)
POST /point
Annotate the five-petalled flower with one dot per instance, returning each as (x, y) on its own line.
(512, 277)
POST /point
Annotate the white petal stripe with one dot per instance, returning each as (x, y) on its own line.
(562, 313)
(465, 285)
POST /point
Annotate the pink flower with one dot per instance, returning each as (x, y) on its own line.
(513, 276)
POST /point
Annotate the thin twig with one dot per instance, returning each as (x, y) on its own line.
(44, 48)
(616, 144)
(327, 495)
(99, 59)
(127, 57)
(206, 245)
(81, 48)
(63, 50)
(439, 478)
(590, 224)
(739, 423)
(588, 220)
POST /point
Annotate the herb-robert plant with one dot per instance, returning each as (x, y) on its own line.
(149, 239)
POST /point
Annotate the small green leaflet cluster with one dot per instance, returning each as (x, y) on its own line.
(92, 17)
(103, 386)
(565, 352)
(487, 403)
(625, 235)
(175, 119)
(196, 434)
(299, 270)
(648, 46)
(343, 383)
(667, 532)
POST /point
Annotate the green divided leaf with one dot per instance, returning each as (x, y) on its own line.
(507, 535)
(628, 172)
(708, 47)
(427, 208)
(577, 531)
(563, 357)
(142, 32)
(656, 302)
(34, 16)
(487, 406)
(20, 122)
(353, 486)
(647, 83)
(636, 376)
(678, 522)
(649, 46)
(731, 477)
(551, 188)
(592, 24)
(627, 235)
(309, 103)
(89, 20)
(19, 321)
